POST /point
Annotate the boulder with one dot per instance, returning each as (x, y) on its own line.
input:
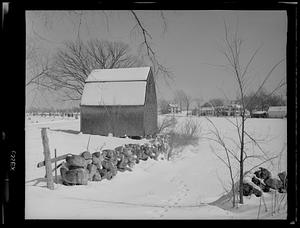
(97, 177)
(97, 158)
(102, 173)
(92, 170)
(257, 192)
(260, 184)
(283, 177)
(75, 161)
(75, 177)
(108, 154)
(247, 189)
(86, 155)
(263, 173)
(274, 183)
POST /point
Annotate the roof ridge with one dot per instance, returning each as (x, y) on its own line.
(119, 74)
(120, 68)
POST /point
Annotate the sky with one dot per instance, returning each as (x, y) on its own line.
(188, 43)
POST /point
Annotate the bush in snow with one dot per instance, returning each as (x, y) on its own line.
(166, 124)
(188, 134)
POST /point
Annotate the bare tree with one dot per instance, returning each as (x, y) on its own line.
(183, 99)
(232, 50)
(37, 63)
(72, 64)
(228, 160)
(163, 106)
(80, 18)
(216, 102)
(264, 99)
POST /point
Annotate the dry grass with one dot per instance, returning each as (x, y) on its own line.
(188, 134)
(166, 124)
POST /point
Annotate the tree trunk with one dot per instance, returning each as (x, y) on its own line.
(242, 159)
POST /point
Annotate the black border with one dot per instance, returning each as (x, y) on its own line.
(13, 96)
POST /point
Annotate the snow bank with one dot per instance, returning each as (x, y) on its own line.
(176, 189)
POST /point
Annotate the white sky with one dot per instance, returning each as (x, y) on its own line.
(189, 46)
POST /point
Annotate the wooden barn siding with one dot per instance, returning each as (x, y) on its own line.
(119, 120)
(150, 114)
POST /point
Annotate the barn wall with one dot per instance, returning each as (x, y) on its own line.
(119, 120)
(150, 115)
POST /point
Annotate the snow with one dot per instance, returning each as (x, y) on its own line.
(119, 74)
(114, 93)
(182, 188)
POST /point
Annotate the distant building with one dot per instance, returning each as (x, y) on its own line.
(173, 108)
(207, 111)
(259, 114)
(119, 101)
(277, 111)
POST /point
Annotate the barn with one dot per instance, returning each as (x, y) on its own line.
(277, 111)
(119, 101)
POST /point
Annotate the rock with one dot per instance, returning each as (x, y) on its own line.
(259, 183)
(76, 161)
(102, 173)
(92, 170)
(86, 155)
(109, 154)
(283, 177)
(63, 169)
(273, 183)
(247, 189)
(97, 177)
(257, 193)
(122, 163)
(119, 149)
(97, 158)
(76, 176)
(263, 173)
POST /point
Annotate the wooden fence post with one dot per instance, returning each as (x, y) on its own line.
(49, 176)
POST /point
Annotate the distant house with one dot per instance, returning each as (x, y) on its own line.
(173, 108)
(277, 111)
(119, 101)
(259, 114)
(207, 111)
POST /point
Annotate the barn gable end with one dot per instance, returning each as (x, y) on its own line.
(150, 114)
(119, 101)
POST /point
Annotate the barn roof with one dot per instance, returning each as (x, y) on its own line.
(119, 74)
(122, 86)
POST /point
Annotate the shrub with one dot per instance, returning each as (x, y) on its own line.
(188, 135)
(165, 125)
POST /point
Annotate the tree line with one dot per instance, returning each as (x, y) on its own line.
(53, 110)
(259, 101)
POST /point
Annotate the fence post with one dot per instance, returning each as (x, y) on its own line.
(49, 176)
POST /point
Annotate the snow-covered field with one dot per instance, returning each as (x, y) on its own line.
(181, 188)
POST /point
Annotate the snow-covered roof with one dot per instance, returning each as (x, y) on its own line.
(119, 74)
(259, 112)
(121, 86)
(114, 93)
(277, 108)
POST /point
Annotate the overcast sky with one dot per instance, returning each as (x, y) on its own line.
(189, 45)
